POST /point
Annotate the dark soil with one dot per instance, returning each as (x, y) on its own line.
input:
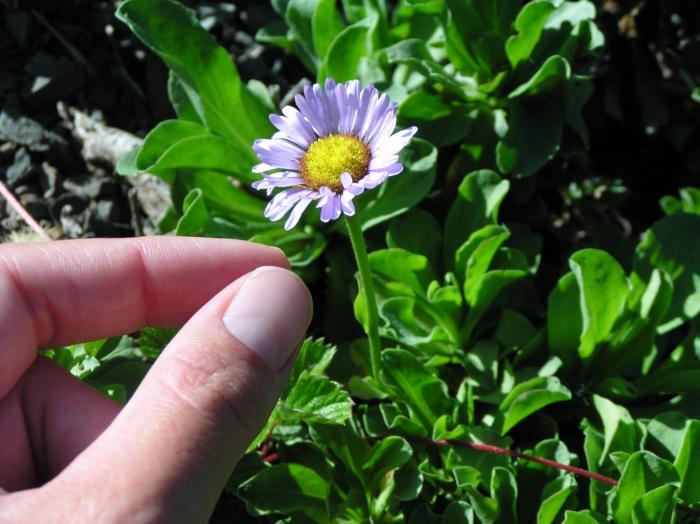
(78, 54)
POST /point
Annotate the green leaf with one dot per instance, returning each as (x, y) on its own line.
(689, 201)
(695, 95)
(553, 506)
(421, 389)
(326, 23)
(127, 374)
(195, 220)
(497, 15)
(344, 54)
(550, 74)
(422, 515)
(484, 463)
(681, 378)
(402, 192)
(504, 490)
(534, 134)
(302, 245)
(185, 109)
(299, 16)
(126, 165)
(687, 463)
(482, 293)
(388, 454)
(666, 433)
(584, 517)
(441, 121)
(414, 53)
(603, 289)
(573, 96)
(287, 488)
(570, 28)
(485, 508)
(529, 24)
(222, 156)
(466, 476)
(414, 323)
(643, 473)
(528, 398)
(618, 427)
(277, 34)
(398, 422)
(314, 357)
(351, 449)
(480, 196)
(418, 232)
(162, 137)
(514, 331)
(222, 197)
(408, 483)
(458, 512)
(476, 33)
(204, 69)
(474, 257)
(481, 364)
(564, 319)
(152, 341)
(665, 246)
(658, 505)
(315, 399)
(405, 272)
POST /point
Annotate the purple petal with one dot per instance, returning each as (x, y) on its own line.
(284, 179)
(394, 169)
(351, 97)
(293, 128)
(383, 130)
(367, 99)
(396, 142)
(382, 161)
(375, 116)
(355, 188)
(261, 168)
(373, 179)
(284, 201)
(281, 154)
(310, 113)
(331, 209)
(296, 213)
(345, 179)
(346, 203)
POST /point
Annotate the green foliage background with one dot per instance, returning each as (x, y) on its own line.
(491, 334)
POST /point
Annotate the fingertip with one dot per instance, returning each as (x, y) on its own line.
(270, 314)
(279, 257)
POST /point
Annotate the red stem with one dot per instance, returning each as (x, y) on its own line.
(272, 457)
(487, 448)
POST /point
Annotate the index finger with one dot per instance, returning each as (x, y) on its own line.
(56, 293)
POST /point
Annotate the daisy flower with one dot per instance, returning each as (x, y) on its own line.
(338, 143)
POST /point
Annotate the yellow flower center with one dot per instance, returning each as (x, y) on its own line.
(329, 157)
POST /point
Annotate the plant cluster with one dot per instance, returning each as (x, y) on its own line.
(469, 369)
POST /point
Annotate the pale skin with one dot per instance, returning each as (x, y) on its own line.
(70, 454)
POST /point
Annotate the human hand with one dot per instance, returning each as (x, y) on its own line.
(166, 456)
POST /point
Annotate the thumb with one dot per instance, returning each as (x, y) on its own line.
(169, 453)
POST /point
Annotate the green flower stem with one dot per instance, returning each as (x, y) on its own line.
(367, 291)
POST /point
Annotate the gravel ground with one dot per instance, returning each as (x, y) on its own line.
(66, 56)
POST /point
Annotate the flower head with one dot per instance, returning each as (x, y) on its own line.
(339, 142)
